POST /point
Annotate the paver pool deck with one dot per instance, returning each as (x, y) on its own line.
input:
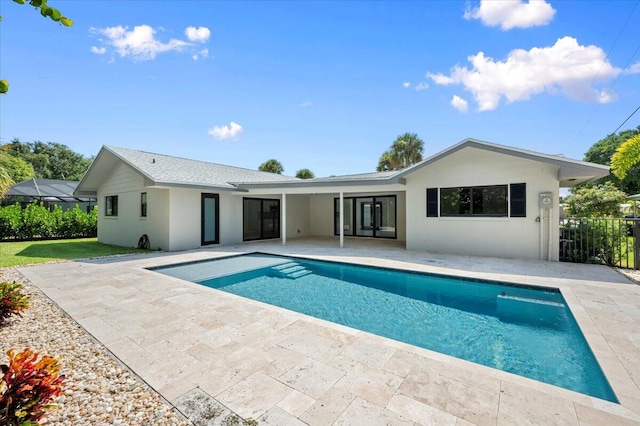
(284, 368)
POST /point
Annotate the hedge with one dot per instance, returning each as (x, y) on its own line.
(35, 221)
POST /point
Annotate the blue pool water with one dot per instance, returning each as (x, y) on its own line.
(527, 331)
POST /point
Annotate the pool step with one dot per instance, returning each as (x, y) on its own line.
(291, 270)
(531, 311)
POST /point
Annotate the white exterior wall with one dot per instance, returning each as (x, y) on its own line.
(500, 237)
(185, 214)
(126, 228)
(298, 220)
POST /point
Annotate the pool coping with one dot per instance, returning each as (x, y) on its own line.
(47, 277)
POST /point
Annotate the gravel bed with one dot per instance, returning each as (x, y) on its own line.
(98, 390)
(632, 274)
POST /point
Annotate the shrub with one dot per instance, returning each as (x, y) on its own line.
(35, 221)
(27, 387)
(12, 301)
(595, 201)
(10, 221)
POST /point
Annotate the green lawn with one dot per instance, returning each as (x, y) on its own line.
(27, 252)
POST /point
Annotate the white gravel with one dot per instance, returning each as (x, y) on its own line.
(632, 274)
(97, 389)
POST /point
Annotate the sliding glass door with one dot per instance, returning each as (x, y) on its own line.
(367, 216)
(261, 219)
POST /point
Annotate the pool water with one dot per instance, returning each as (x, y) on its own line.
(526, 331)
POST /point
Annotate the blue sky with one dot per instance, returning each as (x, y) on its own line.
(322, 85)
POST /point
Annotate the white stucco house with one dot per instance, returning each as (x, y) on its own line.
(475, 198)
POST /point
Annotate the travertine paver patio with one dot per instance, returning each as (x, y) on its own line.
(281, 367)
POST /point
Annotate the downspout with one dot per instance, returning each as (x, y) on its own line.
(541, 217)
(550, 235)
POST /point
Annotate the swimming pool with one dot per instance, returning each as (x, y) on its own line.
(523, 330)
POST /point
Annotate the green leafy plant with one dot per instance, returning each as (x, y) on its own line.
(47, 12)
(595, 201)
(27, 387)
(35, 221)
(12, 300)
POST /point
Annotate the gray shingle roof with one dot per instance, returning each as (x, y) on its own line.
(360, 176)
(165, 169)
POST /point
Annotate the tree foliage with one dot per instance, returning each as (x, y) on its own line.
(15, 168)
(602, 152)
(5, 182)
(49, 160)
(305, 174)
(47, 12)
(406, 150)
(272, 166)
(595, 201)
(626, 156)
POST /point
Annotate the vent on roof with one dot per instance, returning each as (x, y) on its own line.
(153, 160)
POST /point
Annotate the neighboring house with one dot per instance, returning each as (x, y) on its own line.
(51, 192)
(474, 198)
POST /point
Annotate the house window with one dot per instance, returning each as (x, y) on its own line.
(111, 205)
(143, 204)
(474, 201)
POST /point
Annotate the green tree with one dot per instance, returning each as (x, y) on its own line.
(271, 166)
(47, 12)
(602, 152)
(15, 168)
(305, 174)
(49, 160)
(595, 201)
(406, 150)
(5, 182)
(626, 156)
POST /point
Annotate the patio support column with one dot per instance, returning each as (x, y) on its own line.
(283, 222)
(341, 219)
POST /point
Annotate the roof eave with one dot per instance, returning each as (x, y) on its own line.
(315, 184)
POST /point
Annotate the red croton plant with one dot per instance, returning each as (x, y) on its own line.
(27, 387)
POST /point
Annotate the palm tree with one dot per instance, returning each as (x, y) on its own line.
(626, 156)
(305, 174)
(405, 151)
(271, 166)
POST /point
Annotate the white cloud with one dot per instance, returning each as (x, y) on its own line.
(510, 14)
(460, 104)
(140, 43)
(200, 34)
(98, 50)
(566, 68)
(406, 84)
(421, 86)
(305, 104)
(226, 132)
(204, 53)
(633, 69)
